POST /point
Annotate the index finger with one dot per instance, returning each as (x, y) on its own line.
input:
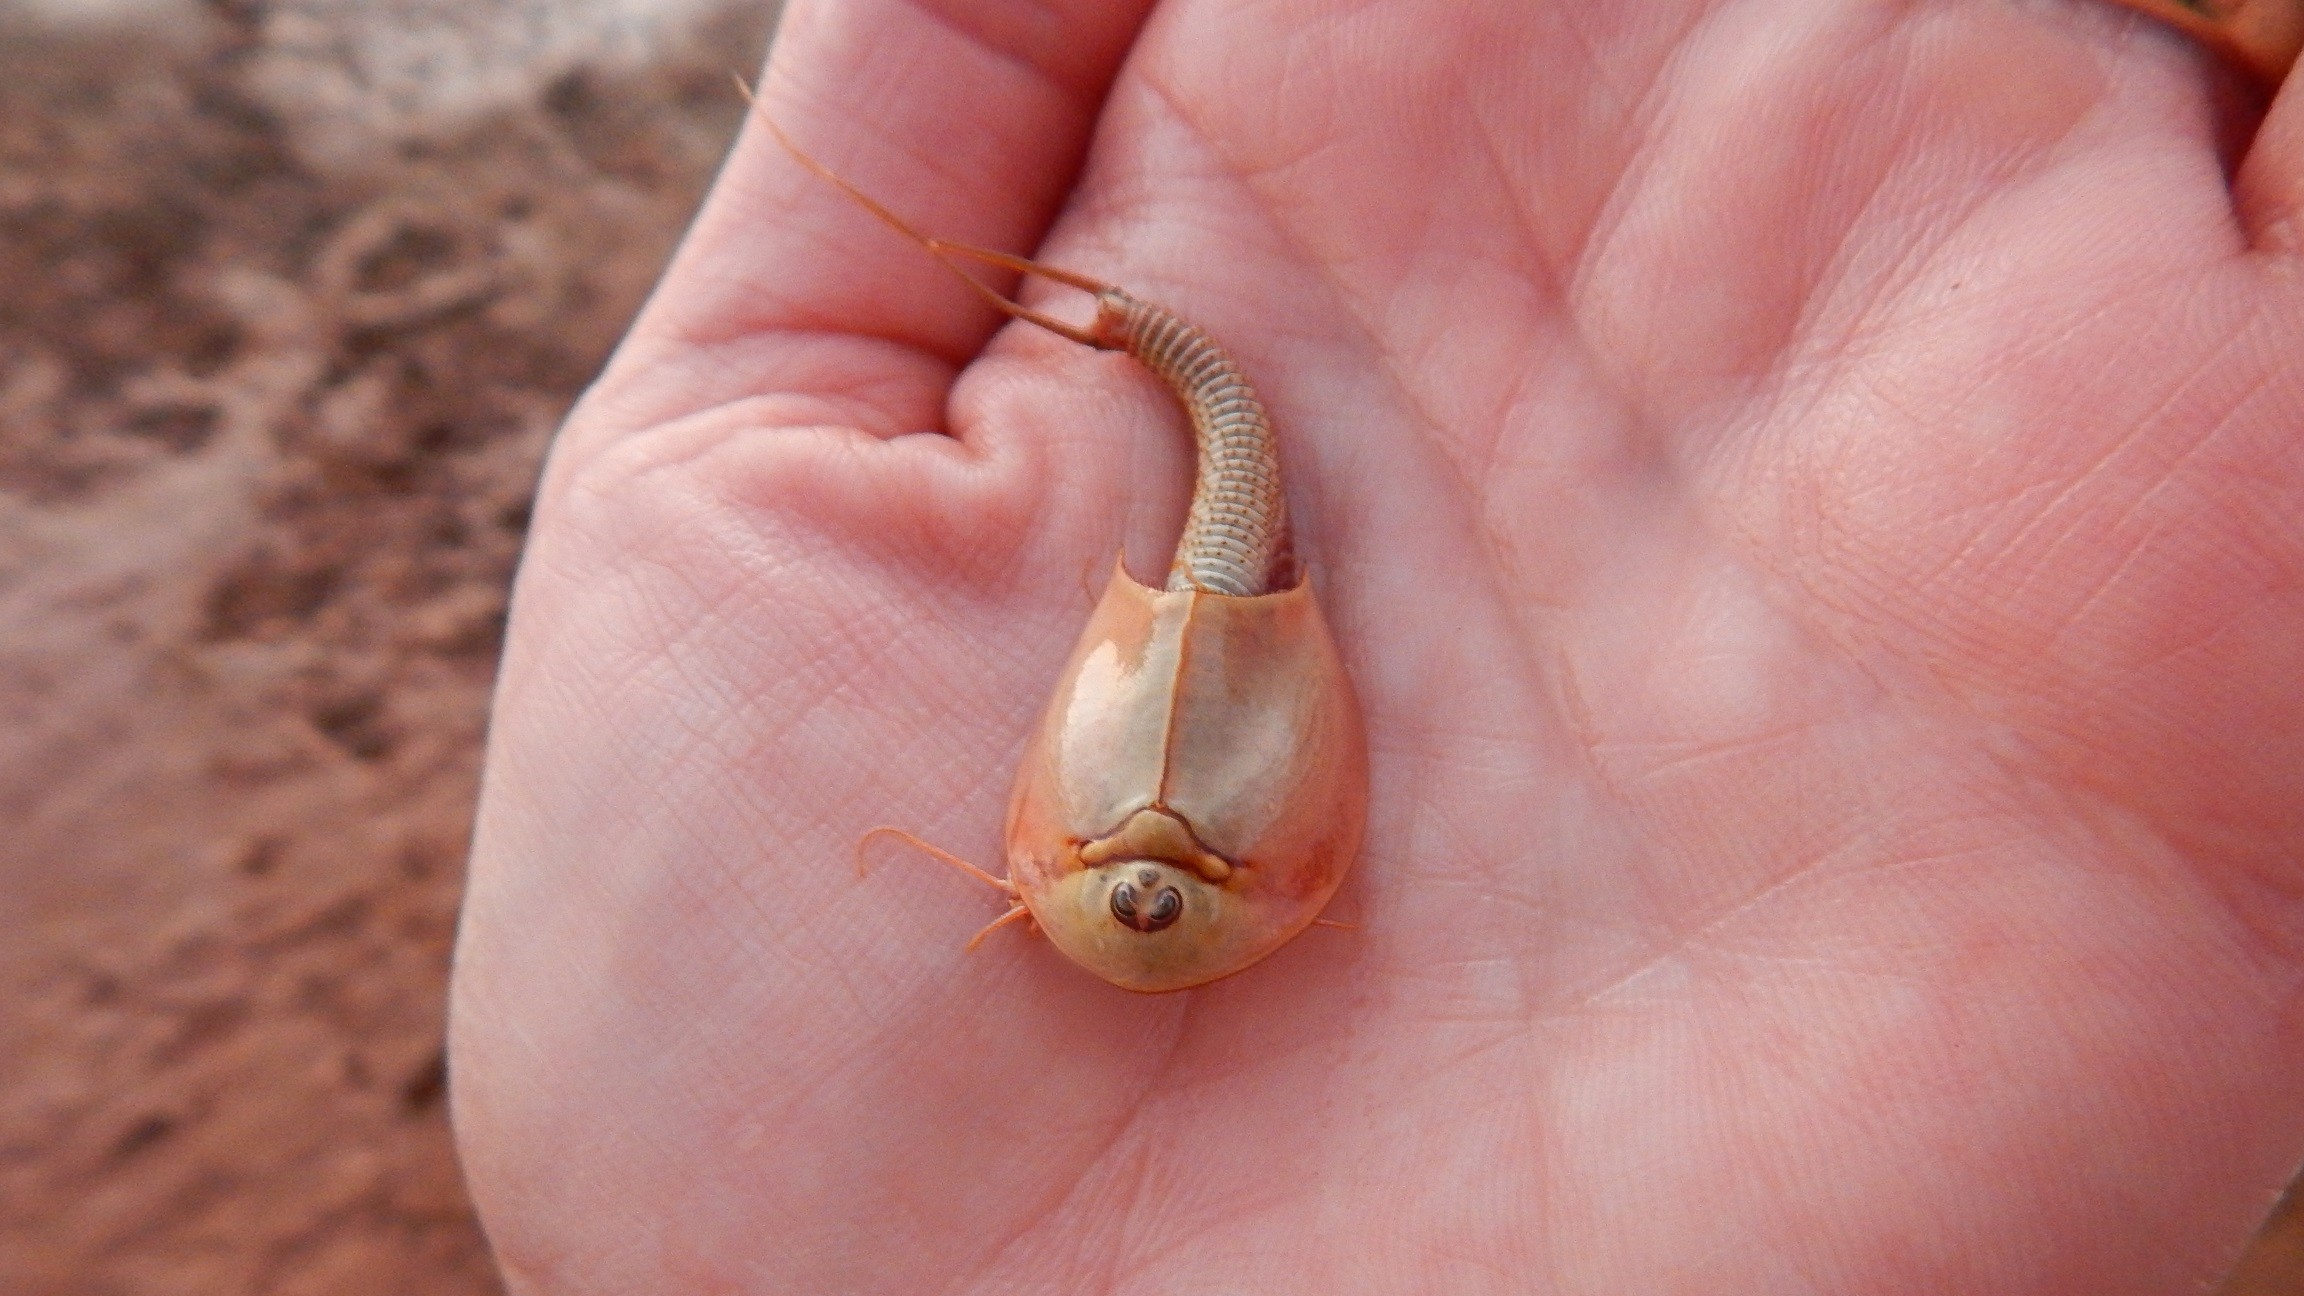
(969, 118)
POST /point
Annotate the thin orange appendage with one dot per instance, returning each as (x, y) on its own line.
(1023, 265)
(944, 250)
(1340, 926)
(1015, 912)
(937, 852)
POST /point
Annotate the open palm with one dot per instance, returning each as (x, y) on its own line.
(1809, 493)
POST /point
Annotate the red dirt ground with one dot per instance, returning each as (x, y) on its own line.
(270, 415)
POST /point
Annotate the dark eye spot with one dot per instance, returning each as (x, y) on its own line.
(1129, 907)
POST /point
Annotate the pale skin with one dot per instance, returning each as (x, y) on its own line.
(1809, 492)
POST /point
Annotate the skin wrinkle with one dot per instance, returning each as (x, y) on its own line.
(1644, 433)
(2037, 342)
(1443, 976)
(1481, 876)
(1624, 797)
(1055, 1204)
(1583, 999)
(1445, 824)
(1083, 101)
(790, 412)
(906, 332)
(2199, 640)
(2024, 353)
(691, 678)
(837, 681)
(1136, 1251)
(730, 1058)
(1629, 182)
(1832, 967)
(1902, 860)
(2023, 162)
(2166, 474)
(1985, 188)
(1703, 751)
(1091, 1263)
(1224, 168)
(2101, 465)
(828, 679)
(1981, 513)
(1977, 550)
(1914, 257)
(1807, 300)
(915, 357)
(2020, 356)
(2142, 424)
(2072, 485)
(1593, 59)
(1516, 396)
(2071, 625)
(2251, 935)
(595, 479)
(1545, 277)
(722, 732)
(2093, 814)
(813, 520)
(970, 22)
(808, 946)
(1763, 1168)
(687, 727)
(1547, 285)
(1466, 1056)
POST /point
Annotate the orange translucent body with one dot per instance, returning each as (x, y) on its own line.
(1210, 741)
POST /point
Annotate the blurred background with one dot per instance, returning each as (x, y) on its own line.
(292, 294)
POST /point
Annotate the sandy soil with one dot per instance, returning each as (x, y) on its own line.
(284, 326)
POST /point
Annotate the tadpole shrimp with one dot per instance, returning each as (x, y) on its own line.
(1196, 788)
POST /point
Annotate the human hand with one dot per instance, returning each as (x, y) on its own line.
(1809, 493)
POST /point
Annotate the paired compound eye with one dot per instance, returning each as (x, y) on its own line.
(1142, 903)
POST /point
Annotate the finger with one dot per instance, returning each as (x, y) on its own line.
(2258, 40)
(968, 119)
(2259, 36)
(2268, 190)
